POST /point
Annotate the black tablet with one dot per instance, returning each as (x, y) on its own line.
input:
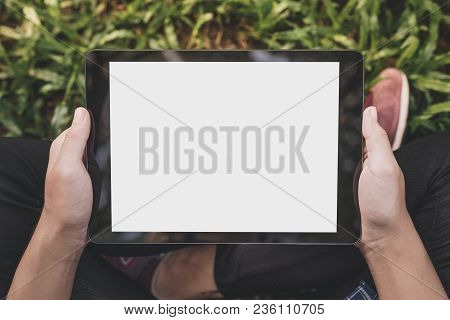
(224, 146)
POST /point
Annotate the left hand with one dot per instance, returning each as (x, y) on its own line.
(68, 187)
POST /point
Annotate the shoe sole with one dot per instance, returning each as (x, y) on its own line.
(403, 116)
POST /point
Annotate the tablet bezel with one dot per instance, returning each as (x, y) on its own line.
(351, 87)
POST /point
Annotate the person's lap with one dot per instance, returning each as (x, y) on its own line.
(426, 166)
(23, 164)
(239, 269)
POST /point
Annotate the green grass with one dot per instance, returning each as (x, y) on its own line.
(42, 79)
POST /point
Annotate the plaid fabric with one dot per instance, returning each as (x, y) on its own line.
(363, 292)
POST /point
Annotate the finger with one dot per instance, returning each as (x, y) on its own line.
(55, 148)
(376, 139)
(74, 144)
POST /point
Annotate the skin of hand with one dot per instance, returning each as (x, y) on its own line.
(394, 252)
(47, 268)
(68, 186)
(381, 186)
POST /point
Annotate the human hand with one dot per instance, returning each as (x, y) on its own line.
(68, 187)
(390, 244)
(381, 187)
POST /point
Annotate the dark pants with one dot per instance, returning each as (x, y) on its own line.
(240, 270)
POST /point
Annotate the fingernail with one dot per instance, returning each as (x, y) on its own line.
(373, 113)
(79, 115)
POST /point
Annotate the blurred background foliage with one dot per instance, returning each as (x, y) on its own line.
(42, 46)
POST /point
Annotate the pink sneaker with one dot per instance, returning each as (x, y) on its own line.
(138, 268)
(391, 98)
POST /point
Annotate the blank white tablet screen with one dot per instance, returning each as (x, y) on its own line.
(224, 146)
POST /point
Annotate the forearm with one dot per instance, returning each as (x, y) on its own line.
(47, 269)
(402, 269)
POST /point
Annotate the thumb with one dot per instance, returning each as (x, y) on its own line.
(378, 147)
(76, 136)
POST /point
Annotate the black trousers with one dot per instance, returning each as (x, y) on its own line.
(240, 270)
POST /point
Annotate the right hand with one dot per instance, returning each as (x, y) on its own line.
(68, 187)
(381, 186)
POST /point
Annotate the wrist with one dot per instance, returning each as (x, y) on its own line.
(379, 235)
(67, 237)
(395, 244)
